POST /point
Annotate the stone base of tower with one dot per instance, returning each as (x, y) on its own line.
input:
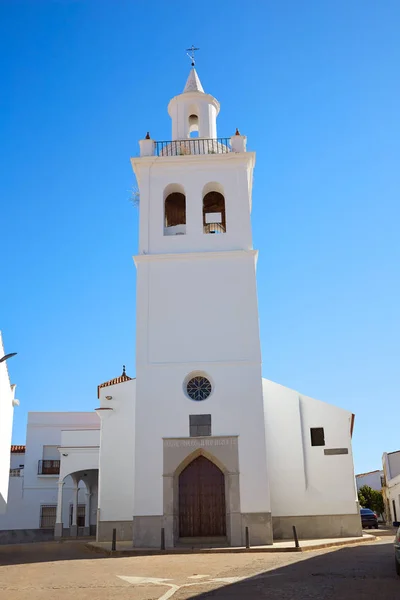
(105, 531)
(147, 531)
(260, 529)
(317, 526)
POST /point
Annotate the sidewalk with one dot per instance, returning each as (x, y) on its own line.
(125, 548)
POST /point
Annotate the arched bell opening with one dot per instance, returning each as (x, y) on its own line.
(214, 216)
(174, 210)
(193, 126)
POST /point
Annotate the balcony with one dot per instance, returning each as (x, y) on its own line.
(17, 472)
(48, 467)
(193, 146)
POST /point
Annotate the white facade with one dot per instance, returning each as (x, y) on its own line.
(304, 480)
(199, 444)
(35, 484)
(197, 314)
(7, 402)
(391, 489)
(373, 479)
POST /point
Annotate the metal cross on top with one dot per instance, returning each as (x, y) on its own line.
(192, 50)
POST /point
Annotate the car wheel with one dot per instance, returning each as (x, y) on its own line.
(376, 526)
(397, 567)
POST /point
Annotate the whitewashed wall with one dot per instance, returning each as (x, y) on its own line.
(303, 480)
(17, 459)
(373, 480)
(393, 464)
(198, 314)
(6, 421)
(116, 461)
(31, 490)
(394, 496)
(231, 171)
(23, 510)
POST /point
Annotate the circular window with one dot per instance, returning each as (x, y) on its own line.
(198, 388)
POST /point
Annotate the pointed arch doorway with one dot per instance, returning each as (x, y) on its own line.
(202, 507)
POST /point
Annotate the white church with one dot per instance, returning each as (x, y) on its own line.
(199, 444)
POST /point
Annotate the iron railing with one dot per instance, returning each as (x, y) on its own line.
(213, 228)
(16, 472)
(48, 467)
(193, 146)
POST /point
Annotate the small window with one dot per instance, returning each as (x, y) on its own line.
(317, 436)
(48, 516)
(199, 425)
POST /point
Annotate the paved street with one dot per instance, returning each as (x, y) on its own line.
(68, 570)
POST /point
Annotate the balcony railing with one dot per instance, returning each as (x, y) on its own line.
(213, 228)
(193, 146)
(16, 472)
(48, 467)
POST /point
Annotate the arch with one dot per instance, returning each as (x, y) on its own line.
(214, 216)
(193, 121)
(193, 455)
(202, 504)
(174, 210)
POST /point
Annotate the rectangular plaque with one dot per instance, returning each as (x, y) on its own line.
(332, 451)
(200, 443)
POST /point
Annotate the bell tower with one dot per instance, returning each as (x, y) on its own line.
(198, 358)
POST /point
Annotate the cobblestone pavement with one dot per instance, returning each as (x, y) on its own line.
(68, 570)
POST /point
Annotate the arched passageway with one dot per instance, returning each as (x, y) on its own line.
(76, 510)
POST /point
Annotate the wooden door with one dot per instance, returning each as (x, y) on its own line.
(202, 500)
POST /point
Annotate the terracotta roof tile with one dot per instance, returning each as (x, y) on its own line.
(17, 449)
(121, 379)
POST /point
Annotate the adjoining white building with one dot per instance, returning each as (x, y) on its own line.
(373, 479)
(34, 478)
(199, 445)
(391, 488)
(7, 403)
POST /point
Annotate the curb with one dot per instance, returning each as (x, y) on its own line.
(229, 550)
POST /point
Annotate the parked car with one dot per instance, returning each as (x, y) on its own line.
(397, 550)
(369, 518)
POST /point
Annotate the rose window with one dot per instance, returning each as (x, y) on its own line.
(198, 388)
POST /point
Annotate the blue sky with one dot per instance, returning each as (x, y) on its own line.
(315, 87)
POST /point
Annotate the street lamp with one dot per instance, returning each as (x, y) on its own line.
(6, 356)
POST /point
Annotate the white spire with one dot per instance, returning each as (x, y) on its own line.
(193, 83)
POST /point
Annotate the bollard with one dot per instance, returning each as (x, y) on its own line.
(162, 538)
(114, 541)
(296, 539)
(247, 537)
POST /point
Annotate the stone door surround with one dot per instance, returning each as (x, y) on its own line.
(177, 454)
